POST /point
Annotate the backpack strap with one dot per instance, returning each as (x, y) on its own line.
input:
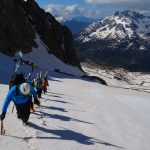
(17, 89)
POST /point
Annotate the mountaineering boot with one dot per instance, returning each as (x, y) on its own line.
(32, 109)
(25, 123)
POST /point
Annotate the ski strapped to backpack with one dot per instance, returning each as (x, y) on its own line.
(17, 68)
(45, 76)
(33, 65)
(19, 62)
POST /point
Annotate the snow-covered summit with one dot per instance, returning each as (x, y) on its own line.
(121, 39)
(120, 25)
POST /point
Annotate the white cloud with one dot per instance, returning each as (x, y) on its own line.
(68, 12)
(71, 8)
(137, 4)
(145, 12)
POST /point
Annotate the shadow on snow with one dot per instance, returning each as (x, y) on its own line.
(60, 117)
(55, 108)
(66, 134)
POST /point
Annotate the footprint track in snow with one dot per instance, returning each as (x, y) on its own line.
(30, 138)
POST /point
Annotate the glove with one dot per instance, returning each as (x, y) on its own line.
(37, 102)
(2, 116)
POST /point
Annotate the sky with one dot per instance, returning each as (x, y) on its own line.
(92, 8)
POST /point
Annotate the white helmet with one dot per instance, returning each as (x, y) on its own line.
(25, 88)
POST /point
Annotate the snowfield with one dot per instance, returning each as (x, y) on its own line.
(41, 58)
(119, 78)
(78, 114)
(81, 115)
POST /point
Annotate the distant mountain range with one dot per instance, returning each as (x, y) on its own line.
(122, 39)
(76, 24)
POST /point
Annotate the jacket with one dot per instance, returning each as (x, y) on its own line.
(17, 97)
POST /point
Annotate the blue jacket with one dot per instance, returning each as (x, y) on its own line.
(39, 85)
(17, 97)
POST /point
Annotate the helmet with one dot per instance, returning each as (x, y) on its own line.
(25, 88)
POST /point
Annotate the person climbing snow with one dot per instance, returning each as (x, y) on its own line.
(39, 87)
(45, 85)
(30, 80)
(19, 94)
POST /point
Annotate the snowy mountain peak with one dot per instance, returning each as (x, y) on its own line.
(120, 25)
(121, 39)
(129, 14)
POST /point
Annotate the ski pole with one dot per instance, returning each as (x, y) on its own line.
(13, 109)
(42, 114)
(2, 128)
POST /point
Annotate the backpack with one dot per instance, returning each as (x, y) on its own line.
(16, 79)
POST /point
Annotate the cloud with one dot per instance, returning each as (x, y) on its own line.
(71, 11)
(135, 4)
(145, 12)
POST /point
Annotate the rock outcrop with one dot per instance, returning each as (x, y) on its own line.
(21, 20)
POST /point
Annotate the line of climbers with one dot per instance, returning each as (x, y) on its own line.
(21, 91)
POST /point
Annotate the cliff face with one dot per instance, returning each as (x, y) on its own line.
(15, 30)
(19, 22)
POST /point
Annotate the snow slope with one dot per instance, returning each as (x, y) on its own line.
(41, 57)
(119, 78)
(81, 115)
(78, 114)
(44, 60)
